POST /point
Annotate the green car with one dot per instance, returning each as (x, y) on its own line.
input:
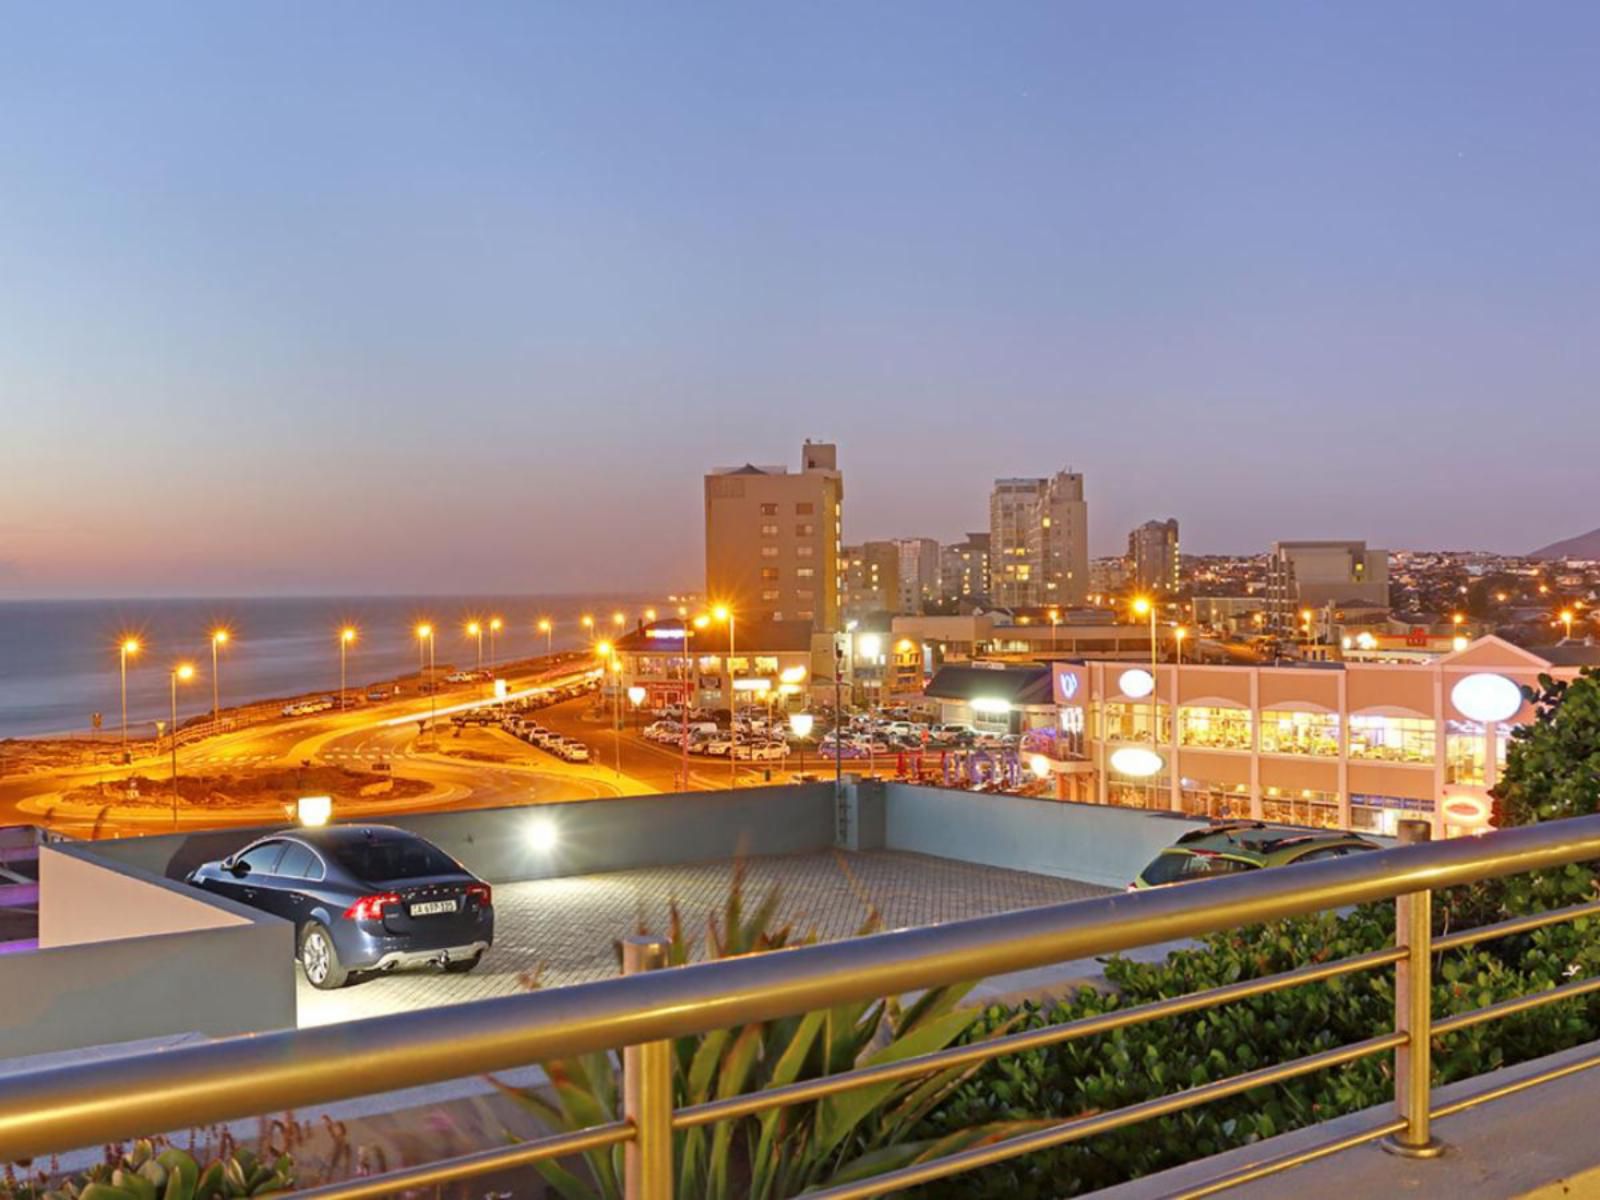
(1226, 849)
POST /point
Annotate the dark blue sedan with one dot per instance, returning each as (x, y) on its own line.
(363, 898)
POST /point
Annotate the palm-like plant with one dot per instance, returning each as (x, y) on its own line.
(781, 1152)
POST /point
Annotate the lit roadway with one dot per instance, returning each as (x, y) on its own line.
(501, 771)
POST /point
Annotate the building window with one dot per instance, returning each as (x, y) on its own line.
(770, 594)
(769, 552)
(769, 510)
(804, 529)
(1286, 731)
(805, 594)
(1214, 728)
(804, 509)
(1219, 801)
(1463, 751)
(804, 572)
(805, 615)
(770, 530)
(1392, 739)
(805, 551)
(769, 572)
(1119, 721)
(1302, 806)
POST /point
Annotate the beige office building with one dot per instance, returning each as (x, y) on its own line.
(1039, 542)
(1352, 745)
(871, 579)
(773, 539)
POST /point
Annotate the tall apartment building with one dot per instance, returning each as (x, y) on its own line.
(773, 539)
(1153, 559)
(964, 570)
(871, 579)
(1039, 541)
(1314, 574)
(919, 573)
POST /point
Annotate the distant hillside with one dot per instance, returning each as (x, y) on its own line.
(1585, 545)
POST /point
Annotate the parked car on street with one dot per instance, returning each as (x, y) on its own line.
(363, 898)
(1231, 847)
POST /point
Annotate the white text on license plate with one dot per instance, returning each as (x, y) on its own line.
(433, 906)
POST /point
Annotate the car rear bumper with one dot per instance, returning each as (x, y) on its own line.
(404, 959)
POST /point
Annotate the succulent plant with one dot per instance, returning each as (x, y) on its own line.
(145, 1173)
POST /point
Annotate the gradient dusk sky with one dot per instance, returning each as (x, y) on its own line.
(309, 297)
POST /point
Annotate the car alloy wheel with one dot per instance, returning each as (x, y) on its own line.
(316, 956)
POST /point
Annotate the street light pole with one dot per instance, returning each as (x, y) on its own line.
(346, 636)
(218, 638)
(129, 646)
(476, 630)
(494, 628)
(185, 672)
(545, 628)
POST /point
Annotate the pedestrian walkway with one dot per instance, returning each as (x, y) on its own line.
(562, 931)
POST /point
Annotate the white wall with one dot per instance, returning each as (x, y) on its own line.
(83, 900)
(1094, 843)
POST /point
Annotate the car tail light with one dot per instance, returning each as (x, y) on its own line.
(482, 892)
(370, 908)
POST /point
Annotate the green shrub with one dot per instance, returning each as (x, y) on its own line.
(144, 1173)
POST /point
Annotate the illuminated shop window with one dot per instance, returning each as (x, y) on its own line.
(1285, 731)
(1392, 739)
(1214, 728)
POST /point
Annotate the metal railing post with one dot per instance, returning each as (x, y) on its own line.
(1413, 1013)
(647, 1092)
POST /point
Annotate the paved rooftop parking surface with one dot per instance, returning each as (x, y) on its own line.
(561, 931)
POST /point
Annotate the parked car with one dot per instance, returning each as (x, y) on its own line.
(380, 693)
(461, 677)
(363, 898)
(1232, 847)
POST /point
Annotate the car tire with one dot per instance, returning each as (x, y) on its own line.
(460, 966)
(320, 960)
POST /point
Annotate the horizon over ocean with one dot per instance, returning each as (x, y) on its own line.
(59, 659)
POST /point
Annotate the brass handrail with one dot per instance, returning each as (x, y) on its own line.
(69, 1107)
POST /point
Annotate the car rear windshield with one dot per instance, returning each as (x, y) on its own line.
(382, 860)
(1181, 866)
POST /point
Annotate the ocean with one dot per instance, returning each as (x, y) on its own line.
(59, 659)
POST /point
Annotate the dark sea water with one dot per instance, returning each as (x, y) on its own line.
(59, 662)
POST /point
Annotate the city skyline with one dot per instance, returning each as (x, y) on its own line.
(357, 305)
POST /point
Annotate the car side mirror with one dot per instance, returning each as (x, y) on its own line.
(239, 869)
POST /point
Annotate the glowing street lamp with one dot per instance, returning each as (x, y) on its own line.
(1566, 617)
(800, 724)
(425, 637)
(219, 637)
(649, 614)
(475, 630)
(347, 636)
(721, 612)
(495, 625)
(1178, 634)
(618, 620)
(587, 621)
(1143, 606)
(129, 647)
(1055, 620)
(545, 628)
(183, 672)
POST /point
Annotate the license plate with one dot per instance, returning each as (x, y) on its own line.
(433, 906)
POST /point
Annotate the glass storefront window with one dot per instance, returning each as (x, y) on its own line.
(1382, 814)
(1286, 731)
(1464, 751)
(1203, 798)
(1392, 739)
(1214, 728)
(1122, 721)
(1153, 793)
(1305, 806)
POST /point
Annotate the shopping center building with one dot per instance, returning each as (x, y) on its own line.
(1353, 745)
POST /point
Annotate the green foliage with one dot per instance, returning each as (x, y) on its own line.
(144, 1173)
(1553, 762)
(1140, 1062)
(783, 1152)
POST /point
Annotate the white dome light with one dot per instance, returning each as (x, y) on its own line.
(1136, 761)
(1486, 697)
(1136, 683)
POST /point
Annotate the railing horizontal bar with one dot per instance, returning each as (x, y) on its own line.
(90, 1103)
(1032, 1039)
(1485, 933)
(1082, 1127)
(1517, 1004)
(1519, 1085)
(466, 1166)
(1287, 1162)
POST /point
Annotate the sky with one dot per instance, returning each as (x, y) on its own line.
(392, 297)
